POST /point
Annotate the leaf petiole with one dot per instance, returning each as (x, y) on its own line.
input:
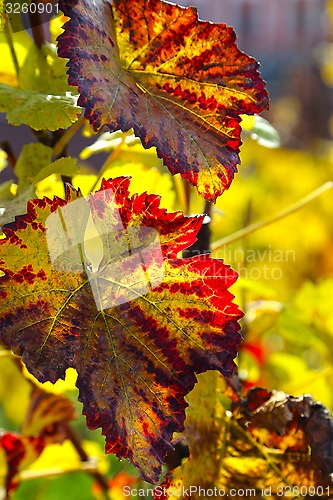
(66, 137)
(8, 34)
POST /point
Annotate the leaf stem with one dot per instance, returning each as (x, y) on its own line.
(274, 218)
(27, 475)
(180, 192)
(8, 34)
(71, 434)
(36, 24)
(64, 139)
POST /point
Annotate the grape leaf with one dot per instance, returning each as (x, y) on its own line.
(262, 446)
(39, 111)
(180, 83)
(137, 325)
(20, 452)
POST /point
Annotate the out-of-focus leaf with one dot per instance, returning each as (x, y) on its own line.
(32, 167)
(22, 42)
(3, 160)
(19, 452)
(14, 205)
(136, 346)
(120, 487)
(32, 159)
(262, 446)
(56, 27)
(62, 166)
(180, 83)
(154, 180)
(47, 416)
(39, 111)
(13, 403)
(44, 72)
(60, 387)
(109, 141)
(261, 130)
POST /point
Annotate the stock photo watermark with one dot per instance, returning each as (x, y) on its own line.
(216, 492)
(29, 14)
(256, 264)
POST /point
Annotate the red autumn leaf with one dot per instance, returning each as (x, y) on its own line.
(137, 328)
(48, 415)
(180, 83)
(20, 452)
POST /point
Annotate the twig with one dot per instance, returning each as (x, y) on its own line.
(27, 475)
(72, 436)
(37, 27)
(8, 34)
(65, 138)
(280, 215)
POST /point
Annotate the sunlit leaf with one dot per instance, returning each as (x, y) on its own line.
(3, 160)
(39, 111)
(136, 330)
(13, 403)
(44, 72)
(261, 130)
(22, 42)
(62, 166)
(180, 83)
(11, 205)
(107, 142)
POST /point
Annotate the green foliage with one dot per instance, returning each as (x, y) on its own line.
(39, 111)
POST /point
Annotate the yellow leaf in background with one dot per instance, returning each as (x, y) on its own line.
(3, 160)
(50, 187)
(56, 24)
(22, 43)
(144, 178)
(60, 386)
(64, 457)
(14, 391)
(2, 14)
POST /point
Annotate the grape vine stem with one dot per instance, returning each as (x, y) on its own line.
(242, 233)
